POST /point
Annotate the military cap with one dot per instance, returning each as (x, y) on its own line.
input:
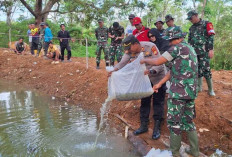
(100, 20)
(42, 23)
(131, 16)
(159, 20)
(168, 17)
(191, 13)
(174, 35)
(128, 41)
(137, 20)
(115, 24)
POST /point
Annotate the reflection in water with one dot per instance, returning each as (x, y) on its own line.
(31, 125)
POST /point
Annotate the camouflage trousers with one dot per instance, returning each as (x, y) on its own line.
(180, 115)
(115, 49)
(40, 45)
(102, 46)
(204, 65)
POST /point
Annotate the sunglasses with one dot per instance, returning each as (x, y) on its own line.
(150, 36)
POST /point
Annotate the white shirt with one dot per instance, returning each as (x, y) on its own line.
(129, 29)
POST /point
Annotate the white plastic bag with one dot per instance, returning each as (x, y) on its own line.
(130, 83)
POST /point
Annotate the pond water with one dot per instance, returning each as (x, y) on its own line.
(35, 125)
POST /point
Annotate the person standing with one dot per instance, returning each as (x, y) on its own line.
(159, 25)
(171, 26)
(116, 33)
(140, 32)
(133, 48)
(29, 35)
(130, 28)
(201, 37)
(47, 38)
(183, 91)
(35, 39)
(64, 38)
(41, 38)
(101, 34)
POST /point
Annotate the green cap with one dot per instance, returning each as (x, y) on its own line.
(175, 36)
(168, 17)
(191, 13)
(128, 41)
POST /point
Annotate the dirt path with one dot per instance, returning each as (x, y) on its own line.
(88, 89)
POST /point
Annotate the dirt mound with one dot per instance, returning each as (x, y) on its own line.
(88, 88)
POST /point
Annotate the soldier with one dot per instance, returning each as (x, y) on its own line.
(132, 49)
(183, 91)
(159, 25)
(116, 33)
(41, 38)
(201, 37)
(130, 28)
(140, 32)
(171, 26)
(101, 34)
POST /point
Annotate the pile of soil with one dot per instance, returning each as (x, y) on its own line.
(72, 82)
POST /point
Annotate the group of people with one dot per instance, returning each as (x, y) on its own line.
(41, 39)
(168, 56)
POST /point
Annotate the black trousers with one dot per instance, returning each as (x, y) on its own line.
(67, 47)
(158, 105)
(34, 46)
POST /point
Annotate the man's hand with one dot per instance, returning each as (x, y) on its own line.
(211, 54)
(142, 61)
(156, 87)
(73, 40)
(116, 38)
(110, 73)
(112, 36)
(60, 40)
(146, 72)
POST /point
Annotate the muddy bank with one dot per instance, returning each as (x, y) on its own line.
(88, 89)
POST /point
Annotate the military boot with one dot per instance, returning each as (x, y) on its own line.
(98, 66)
(193, 140)
(175, 144)
(107, 64)
(210, 87)
(200, 84)
(142, 129)
(156, 131)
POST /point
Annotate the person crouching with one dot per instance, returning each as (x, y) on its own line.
(53, 53)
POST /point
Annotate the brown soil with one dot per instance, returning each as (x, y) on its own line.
(88, 89)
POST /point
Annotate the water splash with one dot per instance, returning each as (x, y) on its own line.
(103, 111)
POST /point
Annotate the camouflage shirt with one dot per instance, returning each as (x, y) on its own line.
(102, 34)
(183, 61)
(117, 33)
(199, 38)
(170, 30)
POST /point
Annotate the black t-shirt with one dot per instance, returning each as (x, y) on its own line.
(117, 32)
(64, 34)
(20, 46)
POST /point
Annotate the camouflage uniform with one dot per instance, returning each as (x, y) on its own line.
(41, 40)
(202, 43)
(175, 29)
(102, 37)
(183, 88)
(116, 46)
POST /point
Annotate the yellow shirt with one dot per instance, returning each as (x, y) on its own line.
(52, 49)
(34, 31)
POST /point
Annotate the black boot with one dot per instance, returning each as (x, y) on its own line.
(142, 129)
(98, 67)
(156, 131)
(107, 64)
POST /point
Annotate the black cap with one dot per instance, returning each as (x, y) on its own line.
(100, 20)
(115, 24)
(131, 16)
(42, 23)
(168, 18)
(174, 35)
(128, 41)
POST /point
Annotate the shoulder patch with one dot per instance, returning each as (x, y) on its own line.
(210, 30)
(154, 50)
(142, 49)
